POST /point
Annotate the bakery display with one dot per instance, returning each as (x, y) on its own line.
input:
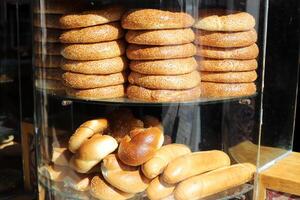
(226, 53)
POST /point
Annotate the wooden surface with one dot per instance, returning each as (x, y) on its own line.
(283, 176)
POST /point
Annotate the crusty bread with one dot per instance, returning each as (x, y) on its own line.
(144, 19)
(174, 82)
(161, 37)
(224, 20)
(229, 77)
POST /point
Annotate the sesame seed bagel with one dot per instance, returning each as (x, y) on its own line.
(229, 77)
(224, 20)
(92, 17)
(141, 52)
(164, 67)
(47, 35)
(100, 33)
(209, 89)
(95, 51)
(226, 39)
(98, 93)
(105, 66)
(47, 61)
(149, 95)
(161, 37)
(177, 82)
(83, 81)
(50, 74)
(49, 21)
(240, 53)
(47, 48)
(226, 65)
(145, 19)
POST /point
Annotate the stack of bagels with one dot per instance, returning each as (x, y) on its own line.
(119, 162)
(227, 53)
(93, 48)
(161, 51)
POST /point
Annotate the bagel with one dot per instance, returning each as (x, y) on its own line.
(142, 52)
(140, 146)
(224, 20)
(161, 37)
(158, 189)
(122, 122)
(92, 18)
(176, 82)
(229, 77)
(164, 67)
(144, 19)
(92, 151)
(98, 93)
(85, 131)
(212, 65)
(46, 35)
(126, 178)
(47, 61)
(47, 48)
(94, 51)
(239, 53)
(148, 95)
(94, 34)
(227, 89)
(105, 66)
(76, 181)
(226, 39)
(83, 81)
(100, 189)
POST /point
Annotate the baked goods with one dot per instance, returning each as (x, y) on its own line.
(212, 65)
(158, 189)
(83, 162)
(229, 77)
(160, 37)
(193, 164)
(126, 178)
(227, 53)
(153, 19)
(226, 39)
(224, 20)
(94, 34)
(83, 81)
(164, 67)
(92, 17)
(150, 95)
(142, 52)
(105, 66)
(100, 189)
(140, 146)
(96, 51)
(98, 93)
(215, 181)
(210, 89)
(156, 165)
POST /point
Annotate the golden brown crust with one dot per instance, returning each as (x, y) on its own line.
(224, 20)
(92, 17)
(148, 95)
(51, 74)
(94, 34)
(47, 35)
(177, 82)
(94, 51)
(227, 90)
(164, 67)
(47, 61)
(229, 77)
(50, 21)
(47, 48)
(98, 93)
(226, 39)
(144, 19)
(161, 37)
(142, 52)
(240, 53)
(83, 81)
(59, 6)
(226, 65)
(105, 66)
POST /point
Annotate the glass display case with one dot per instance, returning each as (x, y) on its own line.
(155, 99)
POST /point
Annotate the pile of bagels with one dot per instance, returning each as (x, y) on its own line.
(123, 157)
(168, 59)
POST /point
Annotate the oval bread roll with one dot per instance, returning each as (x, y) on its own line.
(158, 190)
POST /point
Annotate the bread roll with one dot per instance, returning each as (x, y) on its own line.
(158, 190)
